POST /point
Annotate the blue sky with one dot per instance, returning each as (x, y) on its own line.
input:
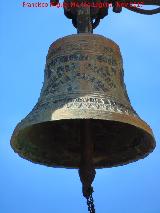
(25, 36)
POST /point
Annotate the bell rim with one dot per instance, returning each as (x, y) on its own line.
(147, 131)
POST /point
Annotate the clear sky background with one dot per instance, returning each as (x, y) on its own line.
(25, 35)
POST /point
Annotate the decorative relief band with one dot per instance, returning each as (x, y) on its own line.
(84, 103)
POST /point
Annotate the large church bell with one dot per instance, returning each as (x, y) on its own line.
(83, 118)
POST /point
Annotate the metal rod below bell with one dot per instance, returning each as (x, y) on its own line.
(87, 171)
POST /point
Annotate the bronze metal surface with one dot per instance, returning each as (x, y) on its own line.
(98, 9)
(83, 80)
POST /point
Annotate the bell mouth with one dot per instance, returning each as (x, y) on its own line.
(57, 143)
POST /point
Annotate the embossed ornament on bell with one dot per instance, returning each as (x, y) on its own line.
(83, 80)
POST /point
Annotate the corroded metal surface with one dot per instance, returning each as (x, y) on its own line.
(99, 10)
(83, 80)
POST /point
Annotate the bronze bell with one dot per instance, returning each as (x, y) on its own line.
(83, 82)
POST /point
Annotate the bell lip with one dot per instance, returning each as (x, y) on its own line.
(96, 167)
(142, 156)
